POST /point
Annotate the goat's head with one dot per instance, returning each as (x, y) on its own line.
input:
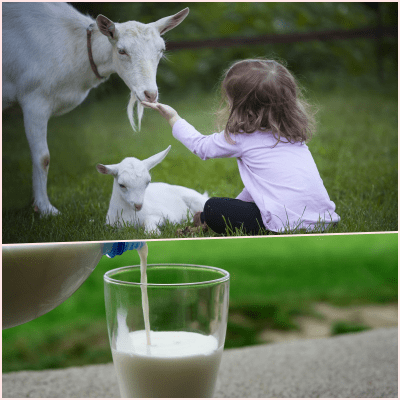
(131, 177)
(137, 50)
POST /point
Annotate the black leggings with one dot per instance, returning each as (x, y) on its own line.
(222, 214)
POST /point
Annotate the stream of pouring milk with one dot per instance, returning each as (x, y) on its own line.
(143, 252)
(171, 364)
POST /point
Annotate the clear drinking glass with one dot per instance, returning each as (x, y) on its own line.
(179, 355)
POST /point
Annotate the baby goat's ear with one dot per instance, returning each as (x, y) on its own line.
(107, 169)
(156, 159)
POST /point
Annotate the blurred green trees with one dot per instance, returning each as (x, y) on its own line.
(202, 68)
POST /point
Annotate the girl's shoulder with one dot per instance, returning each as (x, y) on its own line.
(266, 138)
(263, 136)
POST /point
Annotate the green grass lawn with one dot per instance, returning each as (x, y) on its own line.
(355, 150)
(273, 279)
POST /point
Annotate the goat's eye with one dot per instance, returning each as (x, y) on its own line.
(122, 186)
(121, 51)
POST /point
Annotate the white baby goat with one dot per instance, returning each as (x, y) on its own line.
(53, 55)
(136, 201)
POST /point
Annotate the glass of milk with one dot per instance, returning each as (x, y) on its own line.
(167, 326)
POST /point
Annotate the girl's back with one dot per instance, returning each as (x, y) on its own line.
(283, 178)
(283, 161)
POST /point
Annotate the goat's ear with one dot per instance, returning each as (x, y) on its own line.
(156, 159)
(107, 27)
(165, 24)
(106, 169)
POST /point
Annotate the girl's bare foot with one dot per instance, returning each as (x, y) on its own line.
(197, 221)
(198, 227)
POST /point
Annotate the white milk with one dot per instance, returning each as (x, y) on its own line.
(143, 252)
(177, 364)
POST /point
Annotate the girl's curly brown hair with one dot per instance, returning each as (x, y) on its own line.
(262, 94)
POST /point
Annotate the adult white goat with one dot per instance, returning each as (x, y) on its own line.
(136, 201)
(53, 55)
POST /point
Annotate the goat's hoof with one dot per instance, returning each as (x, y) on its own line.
(46, 211)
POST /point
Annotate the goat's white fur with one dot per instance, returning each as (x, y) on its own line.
(46, 68)
(136, 201)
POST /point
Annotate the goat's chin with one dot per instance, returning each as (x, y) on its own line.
(131, 107)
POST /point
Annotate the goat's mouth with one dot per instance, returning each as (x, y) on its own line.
(138, 207)
(137, 97)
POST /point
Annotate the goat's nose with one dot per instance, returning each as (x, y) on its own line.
(138, 207)
(151, 95)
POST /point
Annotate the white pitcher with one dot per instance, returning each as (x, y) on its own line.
(39, 277)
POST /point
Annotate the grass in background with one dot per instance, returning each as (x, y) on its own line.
(273, 279)
(355, 151)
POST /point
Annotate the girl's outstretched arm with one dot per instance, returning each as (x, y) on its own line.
(166, 111)
(204, 146)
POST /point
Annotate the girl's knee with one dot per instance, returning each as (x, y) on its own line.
(212, 206)
(211, 200)
(214, 214)
(209, 203)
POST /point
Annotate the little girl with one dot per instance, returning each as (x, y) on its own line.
(266, 131)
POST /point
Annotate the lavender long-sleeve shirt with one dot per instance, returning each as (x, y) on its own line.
(283, 181)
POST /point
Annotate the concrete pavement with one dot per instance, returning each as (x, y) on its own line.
(353, 365)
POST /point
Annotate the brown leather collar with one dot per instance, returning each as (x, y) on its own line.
(89, 30)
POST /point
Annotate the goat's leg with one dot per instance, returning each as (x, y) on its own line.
(151, 226)
(36, 132)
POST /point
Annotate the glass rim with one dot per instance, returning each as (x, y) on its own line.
(224, 278)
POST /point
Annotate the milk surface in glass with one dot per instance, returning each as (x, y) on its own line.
(176, 364)
(164, 364)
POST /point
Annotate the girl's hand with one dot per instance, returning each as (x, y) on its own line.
(166, 111)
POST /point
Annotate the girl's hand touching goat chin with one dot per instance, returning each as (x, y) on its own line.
(166, 111)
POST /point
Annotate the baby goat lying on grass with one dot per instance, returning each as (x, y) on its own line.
(136, 201)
